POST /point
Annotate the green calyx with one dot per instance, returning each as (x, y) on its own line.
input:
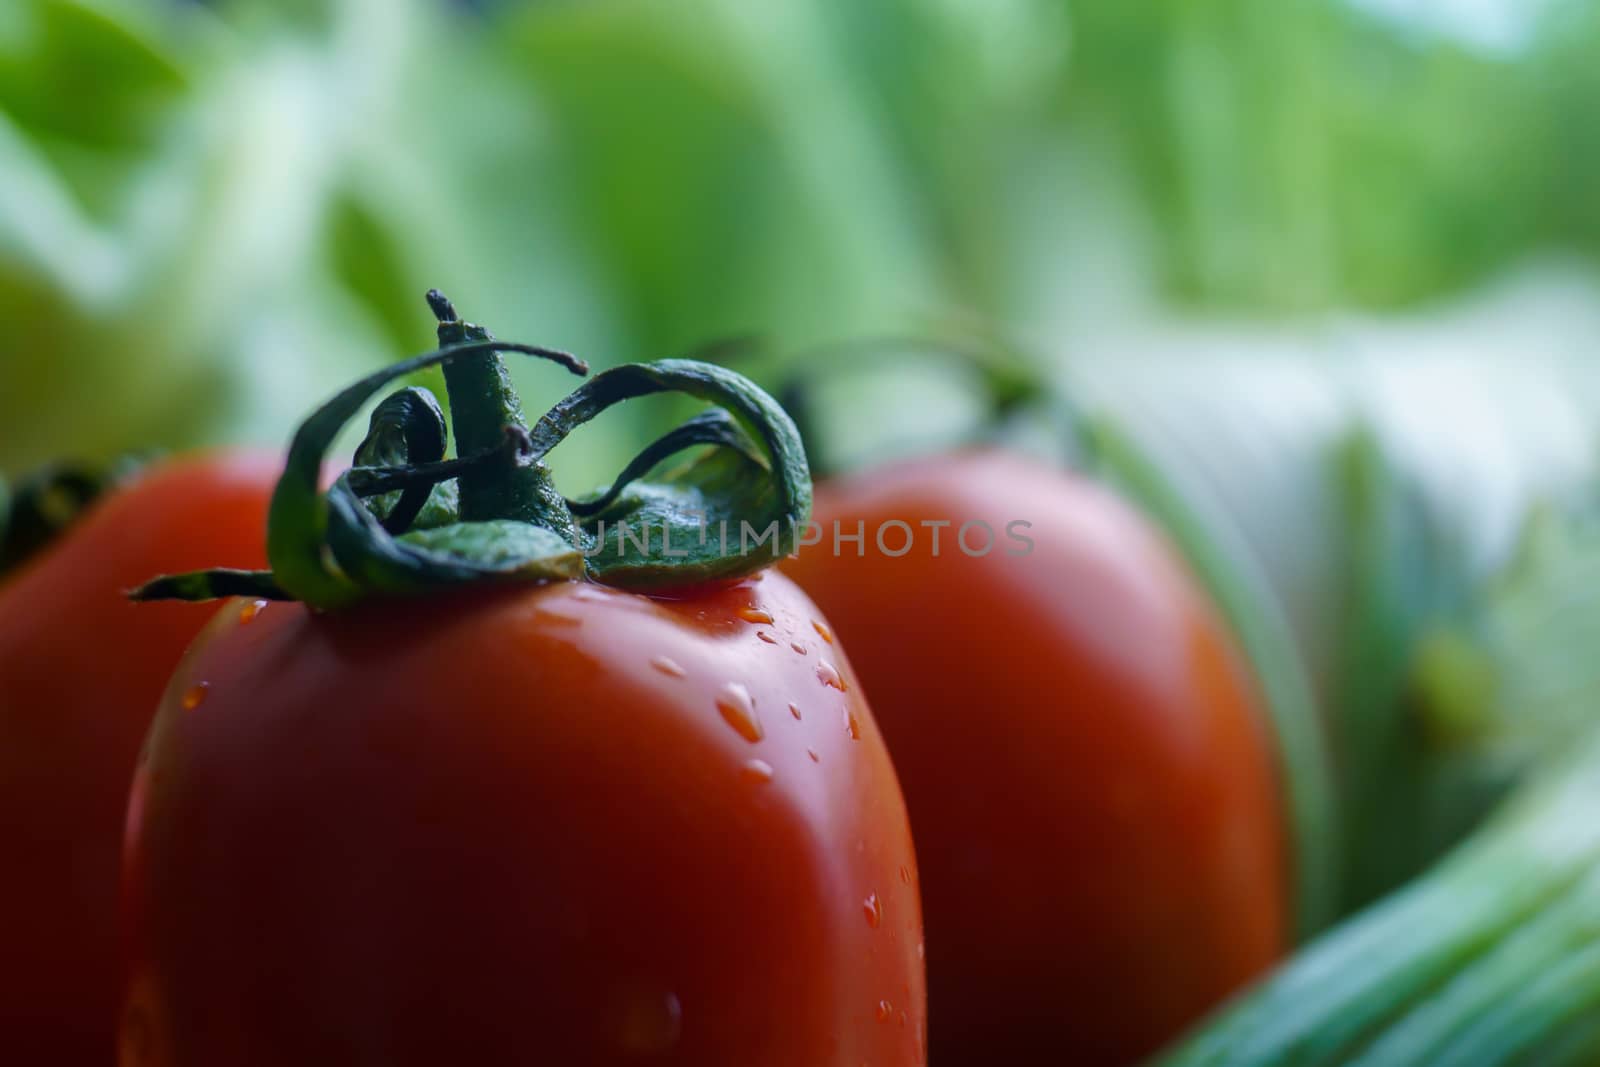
(36, 509)
(406, 520)
(1007, 383)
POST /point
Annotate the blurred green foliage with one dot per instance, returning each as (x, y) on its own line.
(211, 215)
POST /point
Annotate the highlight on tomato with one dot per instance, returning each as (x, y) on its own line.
(480, 774)
(81, 673)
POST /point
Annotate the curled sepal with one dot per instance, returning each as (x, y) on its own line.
(36, 509)
(213, 584)
(330, 549)
(406, 430)
(715, 427)
(731, 512)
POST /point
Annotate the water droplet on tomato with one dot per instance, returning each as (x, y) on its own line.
(813, 754)
(829, 674)
(852, 725)
(754, 615)
(137, 1041)
(757, 770)
(556, 618)
(250, 611)
(794, 709)
(668, 666)
(873, 909)
(739, 711)
(901, 1019)
(649, 1023)
(822, 631)
(768, 638)
(798, 647)
(195, 695)
(885, 1011)
(905, 875)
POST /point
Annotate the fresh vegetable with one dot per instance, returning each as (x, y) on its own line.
(1399, 569)
(1088, 768)
(81, 673)
(1439, 590)
(473, 800)
(1416, 619)
(1492, 959)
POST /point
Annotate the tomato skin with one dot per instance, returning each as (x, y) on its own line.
(1090, 783)
(500, 828)
(81, 672)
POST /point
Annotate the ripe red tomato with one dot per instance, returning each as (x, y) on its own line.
(81, 672)
(1089, 777)
(560, 824)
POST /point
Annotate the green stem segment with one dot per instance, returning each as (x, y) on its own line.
(484, 405)
(1489, 960)
(406, 520)
(1492, 957)
(1008, 384)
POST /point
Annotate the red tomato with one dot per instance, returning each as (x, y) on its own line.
(81, 672)
(563, 825)
(1089, 778)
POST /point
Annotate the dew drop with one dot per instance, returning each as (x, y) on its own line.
(822, 631)
(798, 647)
(768, 638)
(667, 666)
(905, 875)
(195, 695)
(250, 611)
(650, 1024)
(885, 1011)
(873, 910)
(852, 725)
(754, 615)
(739, 711)
(757, 770)
(794, 709)
(137, 1039)
(556, 618)
(829, 674)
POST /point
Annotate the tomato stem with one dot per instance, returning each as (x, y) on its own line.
(484, 407)
(406, 520)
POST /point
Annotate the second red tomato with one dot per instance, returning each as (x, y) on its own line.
(1089, 775)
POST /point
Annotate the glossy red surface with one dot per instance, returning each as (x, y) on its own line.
(1090, 782)
(81, 672)
(554, 825)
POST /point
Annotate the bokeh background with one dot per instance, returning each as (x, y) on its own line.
(213, 214)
